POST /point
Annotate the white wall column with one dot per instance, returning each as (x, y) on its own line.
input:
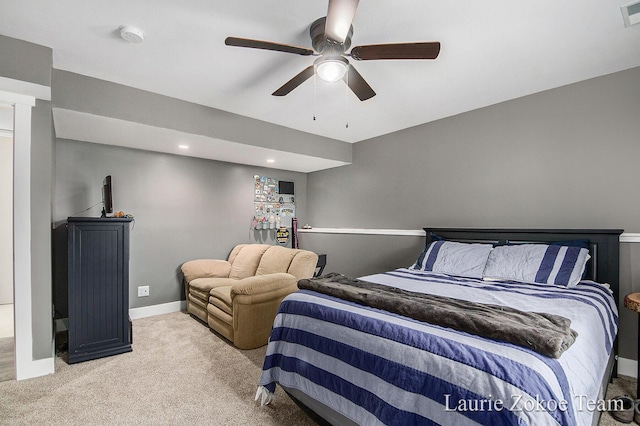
(26, 366)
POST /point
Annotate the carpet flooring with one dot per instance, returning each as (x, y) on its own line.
(178, 373)
(623, 385)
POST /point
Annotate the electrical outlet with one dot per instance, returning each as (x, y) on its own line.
(143, 291)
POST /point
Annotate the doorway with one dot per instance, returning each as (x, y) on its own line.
(7, 341)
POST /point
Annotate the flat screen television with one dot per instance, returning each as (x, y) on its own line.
(107, 197)
(286, 187)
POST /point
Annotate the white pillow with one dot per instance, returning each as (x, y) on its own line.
(453, 258)
(537, 264)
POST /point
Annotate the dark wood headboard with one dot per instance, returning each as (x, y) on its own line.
(604, 246)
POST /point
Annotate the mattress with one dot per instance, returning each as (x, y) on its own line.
(375, 367)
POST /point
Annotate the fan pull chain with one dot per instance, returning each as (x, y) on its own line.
(314, 96)
(346, 97)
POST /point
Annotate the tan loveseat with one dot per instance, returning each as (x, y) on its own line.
(239, 297)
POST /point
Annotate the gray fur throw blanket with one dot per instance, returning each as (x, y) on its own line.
(547, 334)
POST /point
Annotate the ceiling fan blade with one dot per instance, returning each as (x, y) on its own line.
(358, 85)
(339, 18)
(426, 50)
(296, 81)
(267, 45)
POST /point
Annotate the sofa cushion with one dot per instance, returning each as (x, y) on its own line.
(220, 321)
(247, 260)
(275, 259)
(196, 309)
(204, 285)
(221, 297)
(234, 252)
(208, 268)
(196, 299)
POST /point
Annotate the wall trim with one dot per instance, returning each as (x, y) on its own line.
(25, 88)
(628, 237)
(627, 367)
(365, 231)
(153, 310)
(625, 237)
(143, 312)
(17, 98)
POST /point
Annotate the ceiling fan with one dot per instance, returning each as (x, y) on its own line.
(331, 38)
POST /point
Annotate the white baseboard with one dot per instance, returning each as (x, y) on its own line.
(628, 367)
(136, 313)
(164, 308)
(36, 368)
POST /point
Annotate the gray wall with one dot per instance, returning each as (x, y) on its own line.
(32, 63)
(184, 208)
(565, 158)
(98, 97)
(41, 192)
(358, 255)
(25, 61)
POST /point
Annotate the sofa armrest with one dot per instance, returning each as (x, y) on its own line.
(255, 304)
(303, 264)
(264, 284)
(205, 268)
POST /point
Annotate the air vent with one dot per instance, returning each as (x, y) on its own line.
(631, 14)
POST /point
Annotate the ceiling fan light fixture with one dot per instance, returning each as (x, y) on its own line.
(331, 69)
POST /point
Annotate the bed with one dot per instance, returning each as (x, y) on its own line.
(347, 363)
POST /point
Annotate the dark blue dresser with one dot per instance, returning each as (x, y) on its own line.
(98, 293)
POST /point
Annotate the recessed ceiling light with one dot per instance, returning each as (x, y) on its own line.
(270, 160)
(183, 146)
(132, 34)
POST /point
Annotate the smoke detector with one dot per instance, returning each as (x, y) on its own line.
(132, 34)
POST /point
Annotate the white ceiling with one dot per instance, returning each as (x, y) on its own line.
(492, 51)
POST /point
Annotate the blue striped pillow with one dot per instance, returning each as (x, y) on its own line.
(453, 258)
(537, 264)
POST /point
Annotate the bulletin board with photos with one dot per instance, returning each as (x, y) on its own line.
(273, 207)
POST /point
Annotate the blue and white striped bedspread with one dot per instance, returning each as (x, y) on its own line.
(375, 367)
